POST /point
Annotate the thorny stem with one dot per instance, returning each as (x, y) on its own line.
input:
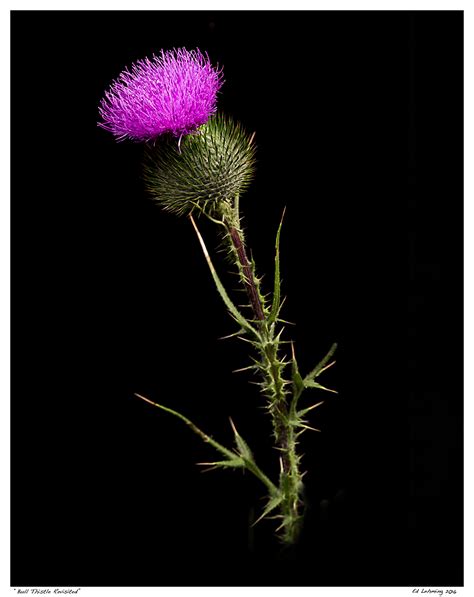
(274, 388)
(288, 421)
(251, 287)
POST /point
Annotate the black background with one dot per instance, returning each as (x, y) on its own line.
(358, 120)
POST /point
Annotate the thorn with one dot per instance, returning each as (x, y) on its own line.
(328, 389)
(285, 321)
(306, 410)
(327, 367)
(205, 463)
(308, 427)
(145, 399)
(251, 139)
(276, 517)
(280, 527)
(281, 464)
(244, 369)
(258, 520)
(230, 335)
(233, 426)
(201, 240)
(245, 339)
(279, 334)
(207, 470)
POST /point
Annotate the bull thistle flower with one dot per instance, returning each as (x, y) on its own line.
(174, 92)
(205, 171)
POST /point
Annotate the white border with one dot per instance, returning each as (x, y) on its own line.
(239, 5)
(5, 277)
(5, 304)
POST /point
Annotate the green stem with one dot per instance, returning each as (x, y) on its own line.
(273, 384)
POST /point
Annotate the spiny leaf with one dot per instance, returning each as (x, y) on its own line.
(233, 459)
(225, 297)
(273, 503)
(313, 384)
(277, 283)
(321, 365)
(298, 383)
(278, 336)
(302, 413)
(207, 438)
(242, 446)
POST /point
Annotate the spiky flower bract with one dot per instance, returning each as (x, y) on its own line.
(174, 93)
(208, 169)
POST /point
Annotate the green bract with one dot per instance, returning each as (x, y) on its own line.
(209, 168)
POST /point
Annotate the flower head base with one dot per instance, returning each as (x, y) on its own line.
(174, 93)
(210, 168)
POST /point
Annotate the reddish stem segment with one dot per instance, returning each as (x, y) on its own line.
(249, 278)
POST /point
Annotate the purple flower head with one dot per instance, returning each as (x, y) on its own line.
(174, 92)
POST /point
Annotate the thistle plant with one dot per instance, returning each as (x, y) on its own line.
(199, 163)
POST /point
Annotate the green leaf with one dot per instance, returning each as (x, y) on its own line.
(242, 446)
(305, 411)
(273, 503)
(320, 366)
(298, 383)
(225, 297)
(207, 438)
(276, 304)
(234, 460)
(313, 384)
(246, 454)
